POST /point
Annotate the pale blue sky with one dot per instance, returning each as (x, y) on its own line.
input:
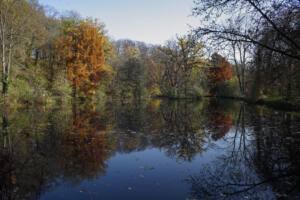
(150, 21)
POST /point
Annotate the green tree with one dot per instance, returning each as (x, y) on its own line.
(15, 21)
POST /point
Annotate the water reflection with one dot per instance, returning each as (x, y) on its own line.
(253, 150)
(260, 161)
(81, 153)
(219, 121)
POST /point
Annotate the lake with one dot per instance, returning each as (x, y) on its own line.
(150, 150)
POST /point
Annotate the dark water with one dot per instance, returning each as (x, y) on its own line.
(150, 150)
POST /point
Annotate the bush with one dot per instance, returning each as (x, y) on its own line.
(197, 92)
(228, 89)
(20, 92)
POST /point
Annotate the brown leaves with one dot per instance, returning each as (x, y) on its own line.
(81, 51)
(220, 71)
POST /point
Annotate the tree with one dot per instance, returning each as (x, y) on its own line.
(240, 55)
(154, 72)
(81, 50)
(217, 17)
(130, 69)
(274, 74)
(131, 73)
(191, 58)
(15, 16)
(180, 59)
(220, 71)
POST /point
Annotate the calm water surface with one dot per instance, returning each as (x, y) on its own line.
(150, 150)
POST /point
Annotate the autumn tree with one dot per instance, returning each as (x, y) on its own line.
(81, 50)
(264, 36)
(220, 71)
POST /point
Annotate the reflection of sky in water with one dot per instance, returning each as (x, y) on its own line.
(149, 174)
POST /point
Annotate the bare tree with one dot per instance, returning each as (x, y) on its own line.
(217, 16)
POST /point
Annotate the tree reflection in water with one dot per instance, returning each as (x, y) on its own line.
(82, 153)
(260, 162)
(42, 149)
(178, 128)
(219, 122)
(183, 133)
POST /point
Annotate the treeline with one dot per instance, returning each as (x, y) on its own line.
(48, 58)
(173, 70)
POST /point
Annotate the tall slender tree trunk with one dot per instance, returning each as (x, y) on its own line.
(243, 80)
(289, 85)
(4, 84)
(74, 90)
(4, 67)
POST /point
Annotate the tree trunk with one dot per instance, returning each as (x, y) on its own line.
(4, 73)
(289, 85)
(255, 89)
(4, 84)
(74, 90)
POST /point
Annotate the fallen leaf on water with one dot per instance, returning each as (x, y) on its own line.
(246, 197)
(148, 168)
(142, 175)
(13, 179)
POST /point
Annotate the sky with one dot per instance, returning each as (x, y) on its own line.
(150, 21)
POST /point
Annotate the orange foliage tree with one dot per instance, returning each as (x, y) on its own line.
(220, 71)
(81, 51)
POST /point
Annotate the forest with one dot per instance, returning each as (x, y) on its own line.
(243, 49)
